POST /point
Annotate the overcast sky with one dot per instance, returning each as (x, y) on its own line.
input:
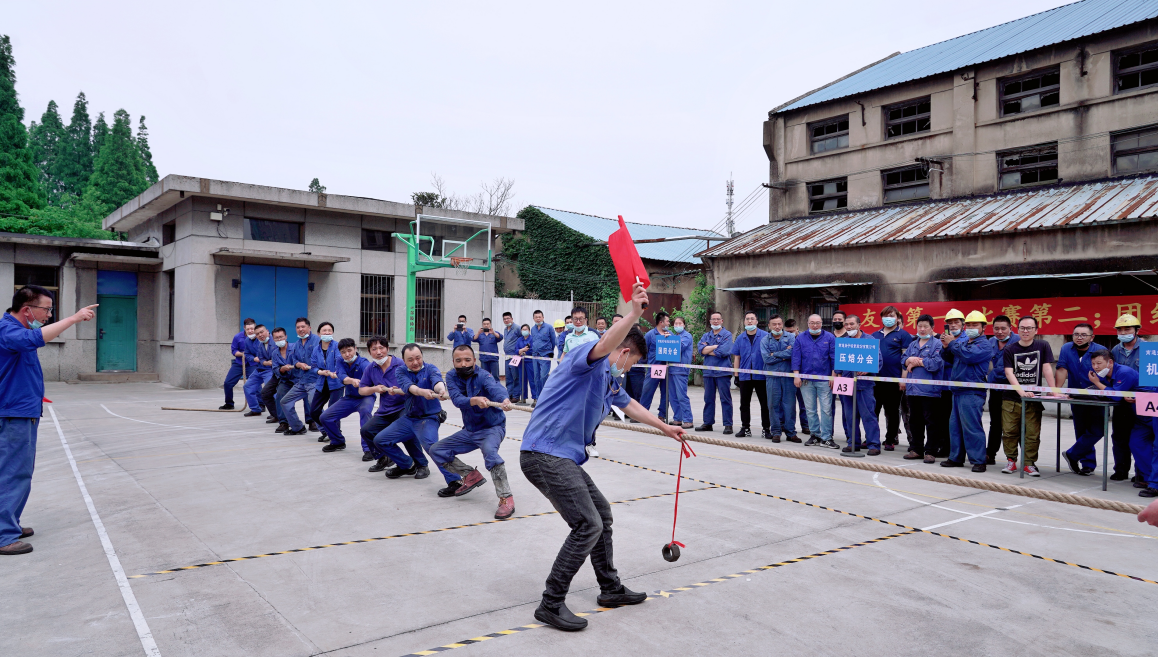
(640, 109)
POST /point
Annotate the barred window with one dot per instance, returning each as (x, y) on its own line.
(827, 195)
(907, 118)
(1136, 151)
(1136, 68)
(906, 184)
(377, 298)
(1028, 166)
(1030, 92)
(428, 311)
(829, 135)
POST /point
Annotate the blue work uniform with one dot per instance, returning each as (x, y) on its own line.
(1125, 416)
(888, 394)
(419, 420)
(256, 353)
(971, 358)
(649, 384)
(236, 369)
(927, 435)
(483, 428)
(815, 355)
(285, 380)
(488, 351)
(866, 403)
(717, 382)
(1089, 421)
(511, 335)
(1127, 356)
(678, 380)
(776, 352)
(542, 346)
(21, 401)
(350, 402)
(459, 338)
(305, 382)
(389, 408)
(1142, 444)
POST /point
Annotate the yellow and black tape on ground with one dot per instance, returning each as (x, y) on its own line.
(666, 593)
(889, 522)
(386, 538)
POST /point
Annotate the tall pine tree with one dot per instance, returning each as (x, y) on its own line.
(117, 172)
(100, 132)
(20, 189)
(74, 160)
(47, 140)
(147, 167)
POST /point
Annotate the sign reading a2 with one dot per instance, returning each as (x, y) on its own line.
(659, 371)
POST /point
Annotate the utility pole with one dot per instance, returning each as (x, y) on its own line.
(731, 227)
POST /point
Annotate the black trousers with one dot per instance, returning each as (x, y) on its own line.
(761, 389)
(1121, 424)
(926, 436)
(888, 396)
(267, 394)
(322, 398)
(633, 382)
(375, 425)
(994, 443)
(941, 420)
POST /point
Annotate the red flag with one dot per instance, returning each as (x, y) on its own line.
(628, 266)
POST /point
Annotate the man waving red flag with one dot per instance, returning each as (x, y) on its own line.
(628, 265)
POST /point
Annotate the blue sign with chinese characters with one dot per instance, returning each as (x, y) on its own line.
(1148, 364)
(863, 355)
(667, 348)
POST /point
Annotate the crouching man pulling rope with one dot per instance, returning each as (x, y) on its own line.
(575, 400)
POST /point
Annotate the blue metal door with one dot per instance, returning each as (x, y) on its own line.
(275, 296)
(291, 298)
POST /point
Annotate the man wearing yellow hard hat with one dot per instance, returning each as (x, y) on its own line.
(971, 353)
(1125, 353)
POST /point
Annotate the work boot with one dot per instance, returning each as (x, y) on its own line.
(471, 481)
(950, 463)
(334, 447)
(223, 407)
(450, 488)
(560, 618)
(624, 596)
(805, 431)
(1120, 476)
(1149, 492)
(366, 456)
(20, 547)
(291, 432)
(506, 508)
(794, 439)
(282, 427)
(251, 414)
(911, 456)
(874, 452)
(687, 425)
(727, 429)
(704, 427)
(323, 438)
(313, 426)
(422, 473)
(381, 465)
(25, 532)
(978, 467)
(271, 420)
(394, 472)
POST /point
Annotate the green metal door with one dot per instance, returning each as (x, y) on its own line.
(116, 333)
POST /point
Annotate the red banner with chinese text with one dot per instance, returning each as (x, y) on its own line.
(1055, 316)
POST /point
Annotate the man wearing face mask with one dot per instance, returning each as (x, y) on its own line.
(922, 361)
(971, 356)
(1122, 422)
(22, 332)
(1105, 374)
(776, 351)
(269, 392)
(382, 377)
(838, 318)
(1002, 329)
(236, 368)
(746, 356)
(955, 328)
(715, 346)
(283, 366)
(814, 353)
(864, 399)
(484, 428)
(1073, 371)
(894, 339)
(650, 385)
(511, 335)
(327, 390)
(259, 356)
(576, 399)
(580, 332)
(306, 380)
(542, 346)
(350, 369)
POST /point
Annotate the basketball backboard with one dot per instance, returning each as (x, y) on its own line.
(446, 241)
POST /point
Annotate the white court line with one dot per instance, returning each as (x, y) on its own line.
(143, 631)
(177, 426)
(953, 522)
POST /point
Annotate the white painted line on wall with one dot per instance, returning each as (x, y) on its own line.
(143, 631)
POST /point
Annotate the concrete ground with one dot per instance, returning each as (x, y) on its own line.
(176, 489)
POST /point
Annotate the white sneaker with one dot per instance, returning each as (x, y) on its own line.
(1010, 467)
(592, 452)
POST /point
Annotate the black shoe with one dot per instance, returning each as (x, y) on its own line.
(1120, 476)
(450, 489)
(1149, 492)
(334, 447)
(395, 472)
(794, 439)
(367, 457)
(727, 430)
(381, 465)
(1085, 472)
(313, 426)
(874, 452)
(560, 618)
(992, 460)
(323, 438)
(422, 473)
(1075, 466)
(812, 442)
(949, 463)
(225, 407)
(632, 420)
(767, 435)
(251, 414)
(625, 596)
(282, 427)
(704, 427)
(805, 431)
(978, 467)
(1139, 484)
(272, 420)
(743, 432)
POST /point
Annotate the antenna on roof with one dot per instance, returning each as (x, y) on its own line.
(731, 226)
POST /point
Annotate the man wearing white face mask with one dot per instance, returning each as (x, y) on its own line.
(746, 356)
(281, 366)
(22, 332)
(894, 339)
(580, 332)
(971, 354)
(1122, 423)
(715, 345)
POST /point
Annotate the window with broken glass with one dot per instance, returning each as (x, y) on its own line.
(1026, 93)
(907, 118)
(829, 135)
(1136, 68)
(827, 195)
(1136, 151)
(906, 184)
(1028, 166)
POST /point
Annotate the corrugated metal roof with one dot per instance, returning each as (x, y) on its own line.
(600, 228)
(1073, 21)
(1083, 204)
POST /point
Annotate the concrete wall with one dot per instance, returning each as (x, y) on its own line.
(966, 127)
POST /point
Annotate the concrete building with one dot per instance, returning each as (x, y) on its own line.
(203, 254)
(1017, 161)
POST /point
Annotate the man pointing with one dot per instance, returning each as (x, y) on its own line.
(22, 332)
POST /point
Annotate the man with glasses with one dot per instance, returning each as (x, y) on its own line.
(1027, 362)
(1073, 371)
(22, 332)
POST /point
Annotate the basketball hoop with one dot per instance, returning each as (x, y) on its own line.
(460, 264)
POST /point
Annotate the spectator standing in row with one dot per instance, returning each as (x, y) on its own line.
(776, 350)
(1027, 362)
(542, 346)
(838, 318)
(955, 327)
(461, 335)
(1122, 422)
(1073, 371)
(681, 406)
(971, 356)
(746, 356)
(580, 333)
(894, 340)
(488, 348)
(511, 335)
(863, 399)
(791, 329)
(1002, 329)
(813, 354)
(922, 361)
(715, 346)
(649, 384)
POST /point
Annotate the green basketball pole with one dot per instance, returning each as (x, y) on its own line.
(413, 266)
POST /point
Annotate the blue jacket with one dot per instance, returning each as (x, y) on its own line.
(777, 352)
(292, 375)
(542, 340)
(21, 379)
(488, 344)
(458, 338)
(304, 353)
(931, 355)
(237, 345)
(816, 356)
(255, 352)
(1122, 378)
(325, 359)
(427, 377)
(482, 384)
(1077, 367)
(749, 353)
(970, 363)
(861, 384)
(687, 351)
(723, 342)
(893, 345)
(1130, 359)
(354, 370)
(997, 362)
(510, 338)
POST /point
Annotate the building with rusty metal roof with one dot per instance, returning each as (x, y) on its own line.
(1016, 161)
